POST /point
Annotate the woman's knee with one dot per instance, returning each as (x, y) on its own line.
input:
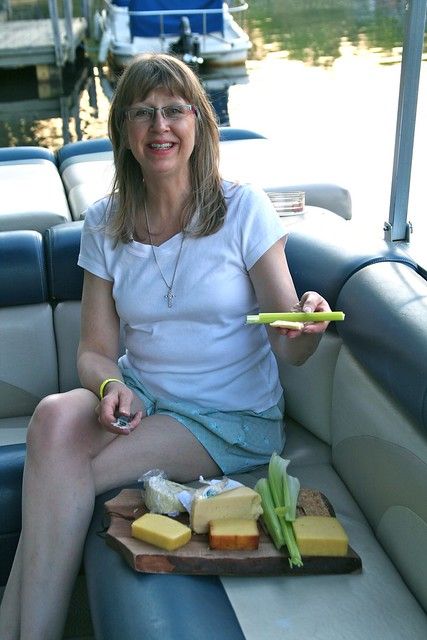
(57, 421)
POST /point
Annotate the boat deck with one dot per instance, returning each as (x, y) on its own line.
(31, 42)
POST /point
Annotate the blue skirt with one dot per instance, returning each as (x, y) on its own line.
(238, 441)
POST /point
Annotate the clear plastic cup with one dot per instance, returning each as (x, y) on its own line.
(288, 203)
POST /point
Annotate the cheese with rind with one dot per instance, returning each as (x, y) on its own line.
(161, 531)
(320, 536)
(241, 502)
(233, 533)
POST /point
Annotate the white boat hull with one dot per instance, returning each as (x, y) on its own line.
(216, 49)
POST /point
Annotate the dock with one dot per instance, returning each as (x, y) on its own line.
(32, 42)
(44, 36)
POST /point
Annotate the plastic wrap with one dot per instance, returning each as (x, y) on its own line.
(162, 495)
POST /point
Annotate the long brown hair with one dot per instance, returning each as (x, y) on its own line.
(204, 212)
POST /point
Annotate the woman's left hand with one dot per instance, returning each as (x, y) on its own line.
(310, 301)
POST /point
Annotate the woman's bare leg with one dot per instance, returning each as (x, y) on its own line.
(70, 458)
(160, 442)
(57, 501)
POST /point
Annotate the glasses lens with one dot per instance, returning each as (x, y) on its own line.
(175, 111)
(142, 114)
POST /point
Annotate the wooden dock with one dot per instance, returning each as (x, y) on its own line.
(33, 42)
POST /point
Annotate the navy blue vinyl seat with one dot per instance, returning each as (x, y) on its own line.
(19, 154)
(24, 320)
(11, 469)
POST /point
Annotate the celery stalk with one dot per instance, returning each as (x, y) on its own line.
(284, 491)
(269, 516)
(291, 487)
(297, 316)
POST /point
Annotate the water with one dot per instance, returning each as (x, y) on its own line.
(322, 82)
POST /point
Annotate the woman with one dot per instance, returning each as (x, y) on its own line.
(178, 258)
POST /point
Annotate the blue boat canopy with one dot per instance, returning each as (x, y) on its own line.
(156, 25)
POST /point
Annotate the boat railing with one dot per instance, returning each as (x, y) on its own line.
(162, 13)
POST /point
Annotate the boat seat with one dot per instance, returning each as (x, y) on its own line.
(28, 362)
(351, 434)
(42, 202)
(76, 150)
(11, 468)
(65, 281)
(86, 180)
(153, 27)
(87, 170)
(337, 251)
(12, 155)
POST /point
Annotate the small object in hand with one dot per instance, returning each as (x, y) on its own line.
(287, 324)
(122, 422)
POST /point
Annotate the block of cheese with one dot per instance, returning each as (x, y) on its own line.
(233, 533)
(161, 495)
(241, 502)
(161, 531)
(320, 536)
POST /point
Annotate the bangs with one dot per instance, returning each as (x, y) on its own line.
(154, 75)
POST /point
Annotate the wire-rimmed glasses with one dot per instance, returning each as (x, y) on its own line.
(170, 112)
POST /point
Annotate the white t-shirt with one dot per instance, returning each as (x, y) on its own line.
(199, 350)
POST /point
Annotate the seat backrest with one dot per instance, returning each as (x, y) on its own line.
(28, 363)
(65, 279)
(323, 257)
(379, 416)
(154, 26)
(43, 201)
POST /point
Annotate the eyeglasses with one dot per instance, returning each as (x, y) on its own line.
(170, 113)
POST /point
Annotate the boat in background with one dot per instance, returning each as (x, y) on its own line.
(199, 31)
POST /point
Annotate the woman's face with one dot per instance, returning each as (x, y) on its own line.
(162, 146)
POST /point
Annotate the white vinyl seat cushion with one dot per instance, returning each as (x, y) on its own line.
(28, 365)
(29, 208)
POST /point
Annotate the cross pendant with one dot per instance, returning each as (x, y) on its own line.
(170, 296)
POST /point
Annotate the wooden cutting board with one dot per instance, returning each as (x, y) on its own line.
(195, 558)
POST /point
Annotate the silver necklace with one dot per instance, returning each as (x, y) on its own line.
(170, 294)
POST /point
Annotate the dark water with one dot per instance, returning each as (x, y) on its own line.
(321, 81)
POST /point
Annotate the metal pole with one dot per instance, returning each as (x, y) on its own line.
(54, 18)
(87, 12)
(398, 228)
(68, 16)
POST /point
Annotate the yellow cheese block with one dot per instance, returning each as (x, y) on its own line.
(320, 536)
(236, 503)
(162, 531)
(233, 533)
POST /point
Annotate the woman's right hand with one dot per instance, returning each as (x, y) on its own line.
(119, 400)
